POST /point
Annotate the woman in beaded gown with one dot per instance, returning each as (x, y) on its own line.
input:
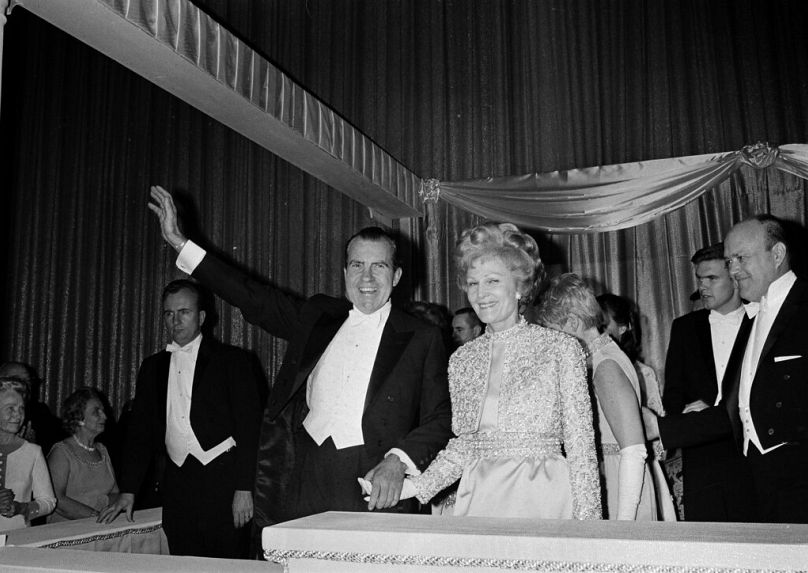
(569, 305)
(519, 395)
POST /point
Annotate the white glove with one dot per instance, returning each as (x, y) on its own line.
(629, 480)
(408, 489)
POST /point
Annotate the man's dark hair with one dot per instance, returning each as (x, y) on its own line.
(375, 234)
(184, 284)
(475, 320)
(714, 252)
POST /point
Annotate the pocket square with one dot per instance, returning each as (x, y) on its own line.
(789, 357)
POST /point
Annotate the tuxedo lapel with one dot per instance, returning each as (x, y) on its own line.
(391, 346)
(164, 363)
(781, 322)
(704, 342)
(322, 333)
(206, 348)
(730, 385)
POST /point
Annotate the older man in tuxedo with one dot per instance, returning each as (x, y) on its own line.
(716, 480)
(198, 401)
(362, 391)
(768, 405)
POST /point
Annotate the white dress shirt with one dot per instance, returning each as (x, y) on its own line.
(180, 437)
(338, 385)
(723, 331)
(768, 309)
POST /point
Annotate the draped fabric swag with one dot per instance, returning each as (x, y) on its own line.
(609, 197)
(461, 90)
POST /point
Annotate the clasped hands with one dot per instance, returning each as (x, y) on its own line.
(384, 486)
(7, 508)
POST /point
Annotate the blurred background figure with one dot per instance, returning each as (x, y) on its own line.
(466, 326)
(40, 427)
(26, 491)
(80, 467)
(436, 315)
(622, 323)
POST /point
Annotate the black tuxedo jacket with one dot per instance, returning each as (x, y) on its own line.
(716, 481)
(779, 396)
(225, 402)
(407, 402)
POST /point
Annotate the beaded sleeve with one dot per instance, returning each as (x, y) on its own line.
(579, 435)
(444, 470)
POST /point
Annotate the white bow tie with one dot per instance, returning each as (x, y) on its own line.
(174, 347)
(357, 317)
(752, 309)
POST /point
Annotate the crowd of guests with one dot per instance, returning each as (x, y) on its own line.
(556, 417)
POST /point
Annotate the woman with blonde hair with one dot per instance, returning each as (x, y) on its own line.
(519, 395)
(25, 486)
(569, 305)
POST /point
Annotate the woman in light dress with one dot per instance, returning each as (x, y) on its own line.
(82, 473)
(519, 395)
(25, 486)
(569, 305)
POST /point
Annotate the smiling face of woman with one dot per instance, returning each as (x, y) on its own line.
(491, 290)
(12, 411)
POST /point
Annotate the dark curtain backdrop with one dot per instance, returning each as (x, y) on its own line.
(454, 89)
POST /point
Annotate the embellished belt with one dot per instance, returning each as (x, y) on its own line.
(610, 449)
(513, 445)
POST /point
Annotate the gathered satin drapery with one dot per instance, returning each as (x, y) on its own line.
(612, 197)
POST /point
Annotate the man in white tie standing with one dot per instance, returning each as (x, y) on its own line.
(199, 403)
(362, 392)
(716, 481)
(769, 402)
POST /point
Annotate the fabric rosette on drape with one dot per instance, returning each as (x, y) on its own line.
(610, 197)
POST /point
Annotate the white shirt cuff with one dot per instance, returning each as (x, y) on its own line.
(412, 469)
(190, 256)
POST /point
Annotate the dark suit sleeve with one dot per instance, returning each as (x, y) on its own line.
(673, 400)
(260, 303)
(433, 430)
(695, 428)
(141, 430)
(677, 430)
(245, 411)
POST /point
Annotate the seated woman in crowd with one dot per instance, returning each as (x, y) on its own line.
(569, 305)
(82, 473)
(26, 491)
(519, 395)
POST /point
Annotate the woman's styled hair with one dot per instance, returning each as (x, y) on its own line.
(623, 312)
(506, 242)
(14, 383)
(73, 409)
(569, 294)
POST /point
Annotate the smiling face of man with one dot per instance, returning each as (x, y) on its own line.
(370, 274)
(752, 262)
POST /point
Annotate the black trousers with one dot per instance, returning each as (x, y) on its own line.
(198, 509)
(781, 483)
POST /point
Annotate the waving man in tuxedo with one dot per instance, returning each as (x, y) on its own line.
(362, 391)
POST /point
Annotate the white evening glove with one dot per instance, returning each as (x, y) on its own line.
(629, 480)
(408, 489)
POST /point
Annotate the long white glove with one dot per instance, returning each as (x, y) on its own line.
(629, 480)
